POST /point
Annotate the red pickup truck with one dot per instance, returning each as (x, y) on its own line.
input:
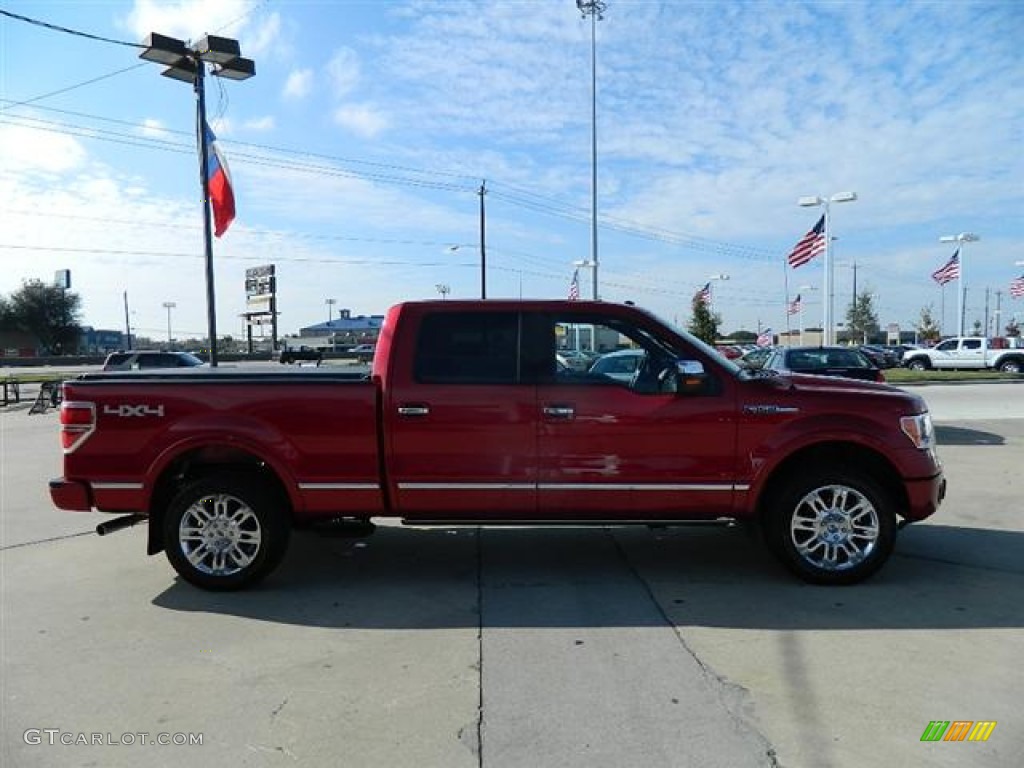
(469, 417)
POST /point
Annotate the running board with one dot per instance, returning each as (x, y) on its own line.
(570, 523)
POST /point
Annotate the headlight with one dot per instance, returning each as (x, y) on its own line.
(919, 429)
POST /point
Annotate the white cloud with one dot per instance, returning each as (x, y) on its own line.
(153, 129)
(361, 119)
(260, 124)
(261, 40)
(344, 71)
(187, 19)
(26, 149)
(298, 84)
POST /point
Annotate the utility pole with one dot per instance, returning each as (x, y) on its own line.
(483, 251)
(986, 312)
(997, 331)
(127, 322)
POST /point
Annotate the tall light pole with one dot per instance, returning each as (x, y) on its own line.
(828, 280)
(960, 240)
(720, 276)
(188, 64)
(801, 289)
(330, 309)
(595, 10)
(169, 305)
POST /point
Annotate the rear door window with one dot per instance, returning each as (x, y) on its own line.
(468, 348)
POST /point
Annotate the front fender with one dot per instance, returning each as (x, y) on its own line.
(808, 437)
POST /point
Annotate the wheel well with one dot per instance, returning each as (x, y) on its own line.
(1018, 359)
(825, 455)
(199, 463)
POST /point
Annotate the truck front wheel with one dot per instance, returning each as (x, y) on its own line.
(225, 533)
(832, 526)
(1010, 366)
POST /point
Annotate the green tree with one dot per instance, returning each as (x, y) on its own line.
(1012, 328)
(976, 330)
(926, 327)
(49, 313)
(704, 324)
(861, 317)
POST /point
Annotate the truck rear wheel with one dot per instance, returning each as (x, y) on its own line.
(832, 526)
(918, 365)
(226, 533)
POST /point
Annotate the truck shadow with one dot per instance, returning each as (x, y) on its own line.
(947, 435)
(941, 577)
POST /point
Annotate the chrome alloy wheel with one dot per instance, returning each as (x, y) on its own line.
(834, 527)
(220, 535)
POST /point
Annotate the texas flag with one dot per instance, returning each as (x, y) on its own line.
(222, 196)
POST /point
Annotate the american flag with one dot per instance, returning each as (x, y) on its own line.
(810, 245)
(1017, 287)
(948, 271)
(704, 295)
(765, 338)
(794, 306)
(574, 286)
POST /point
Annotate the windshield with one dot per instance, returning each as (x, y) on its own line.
(703, 346)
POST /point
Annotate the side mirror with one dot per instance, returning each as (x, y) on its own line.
(691, 376)
(690, 367)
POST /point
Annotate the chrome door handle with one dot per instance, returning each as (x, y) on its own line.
(559, 411)
(413, 410)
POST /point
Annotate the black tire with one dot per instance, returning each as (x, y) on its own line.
(832, 526)
(226, 532)
(918, 365)
(1010, 366)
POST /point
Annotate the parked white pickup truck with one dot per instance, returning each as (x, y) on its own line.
(968, 352)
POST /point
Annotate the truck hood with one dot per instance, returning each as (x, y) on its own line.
(831, 387)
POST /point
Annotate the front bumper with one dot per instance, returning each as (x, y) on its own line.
(924, 497)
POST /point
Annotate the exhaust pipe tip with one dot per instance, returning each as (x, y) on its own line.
(118, 523)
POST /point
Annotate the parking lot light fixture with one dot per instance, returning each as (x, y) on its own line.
(828, 288)
(960, 240)
(169, 305)
(188, 64)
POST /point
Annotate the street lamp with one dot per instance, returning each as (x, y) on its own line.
(960, 240)
(169, 305)
(829, 277)
(801, 289)
(330, 309)
(711, 297)
(188, 64)
(595, 10)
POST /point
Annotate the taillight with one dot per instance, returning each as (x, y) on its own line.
(77, 422)
(879, 376)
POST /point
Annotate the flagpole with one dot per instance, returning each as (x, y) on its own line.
(942, 321)
(785, 283)
(204, 175)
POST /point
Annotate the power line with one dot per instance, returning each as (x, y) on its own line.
(516, 196)
(58, 28)
(70, 87)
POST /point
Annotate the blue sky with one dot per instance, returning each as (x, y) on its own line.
(358, 149)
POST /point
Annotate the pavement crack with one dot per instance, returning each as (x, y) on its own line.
(480, 647)
(723, 684)
(47, 541)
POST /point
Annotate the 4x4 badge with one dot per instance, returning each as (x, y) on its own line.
(126, 409)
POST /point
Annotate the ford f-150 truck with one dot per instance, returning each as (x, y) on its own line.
(967, 352)
(468, 418)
